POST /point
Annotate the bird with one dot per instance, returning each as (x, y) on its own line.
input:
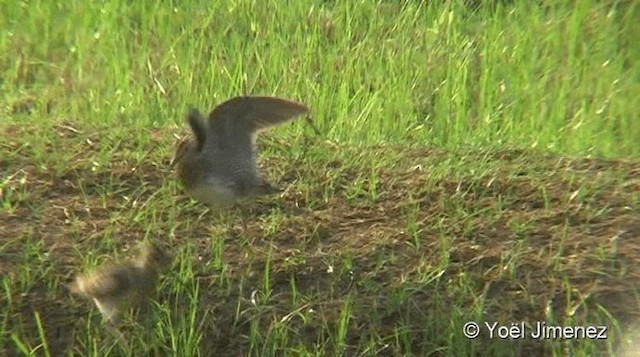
(116, 287)
(217, 165)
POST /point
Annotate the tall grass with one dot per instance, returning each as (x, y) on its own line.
(559, 76)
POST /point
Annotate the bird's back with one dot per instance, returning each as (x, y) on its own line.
(230, 154)
(112, 282)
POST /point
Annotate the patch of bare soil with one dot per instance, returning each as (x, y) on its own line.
(563, 242)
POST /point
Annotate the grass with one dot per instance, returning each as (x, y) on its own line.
(477, 163)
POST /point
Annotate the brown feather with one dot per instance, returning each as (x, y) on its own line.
(255, 113)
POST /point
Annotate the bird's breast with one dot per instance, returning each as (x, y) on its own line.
(212, 194)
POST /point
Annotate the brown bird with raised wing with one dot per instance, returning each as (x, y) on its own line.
(218, 165)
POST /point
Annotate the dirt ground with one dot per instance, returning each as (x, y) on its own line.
(564, 242)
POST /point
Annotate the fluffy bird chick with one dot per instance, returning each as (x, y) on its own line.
(217, 166)
(118, 287)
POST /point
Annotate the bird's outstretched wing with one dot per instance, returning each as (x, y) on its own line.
(247, 115)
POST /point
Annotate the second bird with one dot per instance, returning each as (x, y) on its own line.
(218, 165)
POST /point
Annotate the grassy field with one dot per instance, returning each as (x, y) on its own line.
(474, 164)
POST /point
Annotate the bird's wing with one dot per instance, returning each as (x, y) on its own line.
(106, 282)
(196, 122)
(247, 115)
